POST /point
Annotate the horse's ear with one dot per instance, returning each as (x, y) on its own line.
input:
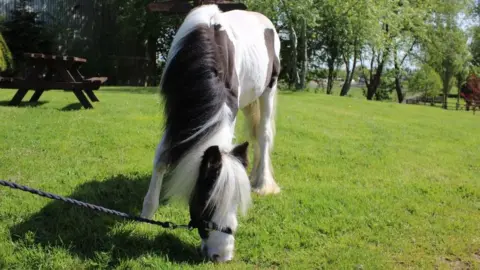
(212, 156)
(241, 152)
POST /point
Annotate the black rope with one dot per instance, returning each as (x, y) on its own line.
(167, 224)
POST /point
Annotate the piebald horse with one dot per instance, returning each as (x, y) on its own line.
(218, 63)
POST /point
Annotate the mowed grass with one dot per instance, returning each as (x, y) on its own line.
(365, 185)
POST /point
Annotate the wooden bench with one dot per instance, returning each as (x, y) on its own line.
(53, 72)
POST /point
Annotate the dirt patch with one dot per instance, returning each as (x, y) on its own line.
(476, 256)
(454, 264)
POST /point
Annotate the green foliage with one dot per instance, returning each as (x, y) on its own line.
(6, 60)
(448, 53)
(426, 81)
(474, 70)
(385, 32)
(122, 40)
(316, 74)
(365, 185)
(475, 46)
(387, 86)
(445, 44)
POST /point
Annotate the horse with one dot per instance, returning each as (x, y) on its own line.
(219, 63)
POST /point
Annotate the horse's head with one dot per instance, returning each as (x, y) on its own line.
(221, 188)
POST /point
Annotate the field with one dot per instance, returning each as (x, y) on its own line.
(365, 185)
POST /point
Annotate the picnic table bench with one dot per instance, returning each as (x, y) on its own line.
(52, 72)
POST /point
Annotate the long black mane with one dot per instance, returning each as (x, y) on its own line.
(195, 88)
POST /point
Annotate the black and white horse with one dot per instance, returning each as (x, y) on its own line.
(219, 63)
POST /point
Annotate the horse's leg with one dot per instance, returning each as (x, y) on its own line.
(252, 121)
(263, 181)
(151, 200)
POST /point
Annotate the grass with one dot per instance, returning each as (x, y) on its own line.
(365, 185)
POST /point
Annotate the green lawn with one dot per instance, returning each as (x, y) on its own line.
(365, 185)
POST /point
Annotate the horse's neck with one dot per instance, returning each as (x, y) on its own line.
(224, 135)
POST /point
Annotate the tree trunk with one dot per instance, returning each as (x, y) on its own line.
(371, 90)
(398, 88)
(459, 86)
(330, 76)
(152, 61)
(446, 82)
(458, 98)
(345, 85)
(294, 77)
(398, 84)
(350, 73)
(376, 79)
(304, 57)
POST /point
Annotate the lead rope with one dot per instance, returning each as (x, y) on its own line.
(166, 224)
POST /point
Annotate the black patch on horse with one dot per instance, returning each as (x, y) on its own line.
(273, 61)
(209, 171)
(198, 80)
(226, 55)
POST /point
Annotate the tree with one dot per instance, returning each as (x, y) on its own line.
(338, 37)
(447, 50)
(402, 24)
(475, 46)
(356, 33)
(294, 19)
(412, 27)
(426, 81)
(383, 26)
(398, 62)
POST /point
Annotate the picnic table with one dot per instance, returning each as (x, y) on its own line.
(52, 72)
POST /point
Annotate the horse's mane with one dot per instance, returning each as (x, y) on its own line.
(199, 108)
(192, 91)
(231, 188)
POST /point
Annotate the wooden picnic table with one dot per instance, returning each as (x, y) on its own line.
(52, 72)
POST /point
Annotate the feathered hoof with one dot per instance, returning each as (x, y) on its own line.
(267, 189)
(148, 211)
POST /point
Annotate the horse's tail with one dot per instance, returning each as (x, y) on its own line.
(252, 118)
(274, 114)
(253, 115)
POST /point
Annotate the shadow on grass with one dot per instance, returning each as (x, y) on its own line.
(72, 107)
(85, 233)
(131, 90)
(5, 103)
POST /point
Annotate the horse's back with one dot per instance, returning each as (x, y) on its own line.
(256, 46)
(256, 40)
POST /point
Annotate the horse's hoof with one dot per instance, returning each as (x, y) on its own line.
(147, 213)
(267, 190)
